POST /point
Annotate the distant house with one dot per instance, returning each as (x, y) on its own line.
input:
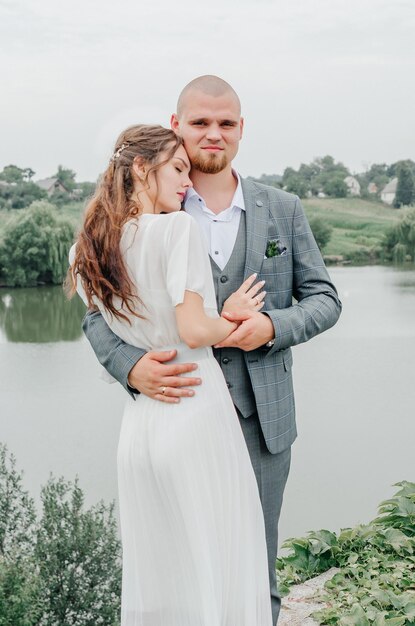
(372, 188)
(388, 193)
(50, 185)
(353, 185)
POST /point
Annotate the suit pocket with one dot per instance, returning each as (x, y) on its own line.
(275, 264)
(287, 359)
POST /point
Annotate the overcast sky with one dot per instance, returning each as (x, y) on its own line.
(315, 77)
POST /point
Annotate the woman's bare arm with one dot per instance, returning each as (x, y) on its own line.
(196, 328)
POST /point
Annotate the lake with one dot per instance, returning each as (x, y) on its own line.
(355, 395)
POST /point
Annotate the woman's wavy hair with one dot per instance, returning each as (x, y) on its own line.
(98, 261)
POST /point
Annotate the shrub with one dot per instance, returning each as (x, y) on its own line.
(321, 231)
(399, 240)
(61, 570)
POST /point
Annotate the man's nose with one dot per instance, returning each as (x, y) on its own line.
(213, 133)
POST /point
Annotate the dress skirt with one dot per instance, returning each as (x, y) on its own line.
(193, 537)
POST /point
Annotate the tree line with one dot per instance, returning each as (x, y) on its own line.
(35, 242)
(326, 176)
(323, 176)
(18, 190)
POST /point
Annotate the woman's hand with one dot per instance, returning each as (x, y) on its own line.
(248, 297)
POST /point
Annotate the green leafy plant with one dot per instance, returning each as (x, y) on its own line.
(375, 584)
(62, 569)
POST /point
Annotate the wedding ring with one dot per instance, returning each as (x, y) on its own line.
(257, 300)
(163, 389)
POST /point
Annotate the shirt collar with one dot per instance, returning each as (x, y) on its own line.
(237, 201)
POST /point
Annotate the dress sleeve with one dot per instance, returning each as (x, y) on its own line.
(79, 287)
(188, 267)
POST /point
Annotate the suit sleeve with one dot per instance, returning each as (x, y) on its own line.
(116, 356)
(318, 306)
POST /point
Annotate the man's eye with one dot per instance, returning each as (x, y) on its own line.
(178, 170)
(198, 123)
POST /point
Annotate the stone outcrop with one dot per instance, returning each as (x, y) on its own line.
(299, 604)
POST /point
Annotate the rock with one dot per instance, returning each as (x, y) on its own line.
(299, 604)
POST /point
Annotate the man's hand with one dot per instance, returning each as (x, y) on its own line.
(156, 380)
(255, 330)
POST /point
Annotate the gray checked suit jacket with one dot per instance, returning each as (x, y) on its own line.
(301, 302)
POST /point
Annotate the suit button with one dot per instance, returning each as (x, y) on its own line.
(229, 386)
(226, 360)
(259, 203)
(223, 279)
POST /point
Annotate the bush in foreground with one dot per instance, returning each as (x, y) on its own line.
(62, 569)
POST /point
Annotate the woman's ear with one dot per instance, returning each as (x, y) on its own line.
(140, 169)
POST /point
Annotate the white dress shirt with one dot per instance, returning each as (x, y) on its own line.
(219, 231)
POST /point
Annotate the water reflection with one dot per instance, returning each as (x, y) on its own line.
(40, 315)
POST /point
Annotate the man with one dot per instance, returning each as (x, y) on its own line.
(249, 228)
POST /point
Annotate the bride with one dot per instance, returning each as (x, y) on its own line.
(192, 529)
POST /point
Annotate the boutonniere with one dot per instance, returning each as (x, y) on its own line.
(275, 248)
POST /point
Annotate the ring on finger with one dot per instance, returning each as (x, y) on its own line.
(163, 390)
(257, 300)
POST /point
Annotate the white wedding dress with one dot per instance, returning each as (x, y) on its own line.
(194, 551)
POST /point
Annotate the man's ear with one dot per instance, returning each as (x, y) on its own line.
(241, 127)
(174, 123)
(140, 168)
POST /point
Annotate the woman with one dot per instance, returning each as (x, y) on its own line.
(194, 551)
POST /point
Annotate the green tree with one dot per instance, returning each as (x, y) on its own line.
(321, 231)
(20, 593)
(405, 191)
(20, 195)
(12, 174)
(19, 584)
(79, 559)
(28, 173)
(273, 180)
(61, 570)
(335, 187)
(87, 189)
(293, 182)
(324, 173)
(399, 241)
(66, 177)
(17, 511)
(35, 247)
(59, 198)
(393, 169)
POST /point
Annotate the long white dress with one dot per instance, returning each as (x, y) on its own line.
(194, 550)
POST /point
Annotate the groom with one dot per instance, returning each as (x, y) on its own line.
(248, 228)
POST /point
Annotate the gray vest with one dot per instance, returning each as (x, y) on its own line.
(232, 360)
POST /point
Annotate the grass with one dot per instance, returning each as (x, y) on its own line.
(358, 225)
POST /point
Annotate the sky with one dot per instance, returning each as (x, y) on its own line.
(315, 77)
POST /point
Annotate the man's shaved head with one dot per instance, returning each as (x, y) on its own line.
(209, 85)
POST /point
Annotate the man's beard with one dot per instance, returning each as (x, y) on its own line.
(211, 165)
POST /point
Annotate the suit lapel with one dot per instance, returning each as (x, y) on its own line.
(257, 216)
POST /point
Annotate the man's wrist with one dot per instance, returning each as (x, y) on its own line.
(271, 336)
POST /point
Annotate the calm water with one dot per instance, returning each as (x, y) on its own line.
(355, 392)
